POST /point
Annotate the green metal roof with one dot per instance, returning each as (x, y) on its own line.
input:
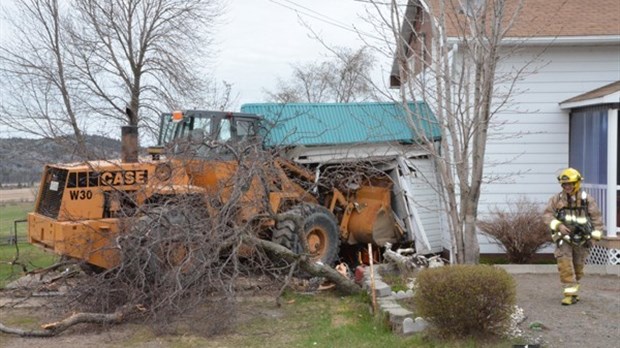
(339, 123)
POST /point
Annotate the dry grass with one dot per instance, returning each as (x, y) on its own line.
(18, 195)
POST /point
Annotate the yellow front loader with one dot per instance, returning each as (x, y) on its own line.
(82, 208)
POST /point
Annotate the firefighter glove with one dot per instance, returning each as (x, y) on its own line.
(564, 229)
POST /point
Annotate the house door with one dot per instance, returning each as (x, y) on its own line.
(592, 143)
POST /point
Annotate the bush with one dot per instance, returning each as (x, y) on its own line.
(465, 300)
(519, 231)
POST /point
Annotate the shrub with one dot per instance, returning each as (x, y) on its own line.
(519, 230)
(465, 300)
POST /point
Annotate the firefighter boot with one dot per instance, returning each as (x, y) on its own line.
(568, 300)
(570, 295)
(578, 275)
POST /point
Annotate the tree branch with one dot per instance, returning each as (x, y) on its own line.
(55, 328)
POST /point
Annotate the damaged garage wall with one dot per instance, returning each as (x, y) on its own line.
(324, 135)
(420, 203)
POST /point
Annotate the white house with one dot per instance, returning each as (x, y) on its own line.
(564, 109)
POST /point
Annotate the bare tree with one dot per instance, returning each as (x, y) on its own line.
(77, 65)
(341, 79)
(447, 53)
(458, 78)
(41, 98)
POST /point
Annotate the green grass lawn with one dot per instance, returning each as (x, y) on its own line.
(317, 320)
(29, 256)
(10, 212)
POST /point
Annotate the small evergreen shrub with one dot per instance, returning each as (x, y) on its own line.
(519, 229)
(465, 300)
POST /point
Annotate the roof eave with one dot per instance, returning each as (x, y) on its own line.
(553, 40)
(606, 99)
(404, 32)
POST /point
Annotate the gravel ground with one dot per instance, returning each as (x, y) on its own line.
(593, 322)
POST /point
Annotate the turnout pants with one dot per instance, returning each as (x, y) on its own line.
(571, 260)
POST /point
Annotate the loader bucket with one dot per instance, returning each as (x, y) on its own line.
(373, 220)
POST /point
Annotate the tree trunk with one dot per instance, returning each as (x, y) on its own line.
(471, 249)
(319, 270)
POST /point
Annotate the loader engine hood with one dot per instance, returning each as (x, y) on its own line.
(99, 189)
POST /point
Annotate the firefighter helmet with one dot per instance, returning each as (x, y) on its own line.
(571, 176)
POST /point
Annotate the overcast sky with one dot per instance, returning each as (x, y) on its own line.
(260, 40)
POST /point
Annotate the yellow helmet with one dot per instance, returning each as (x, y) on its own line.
(571, 176)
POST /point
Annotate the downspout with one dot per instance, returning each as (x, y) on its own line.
(451, 55)
(612, 172)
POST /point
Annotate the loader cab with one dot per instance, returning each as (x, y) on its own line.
(204, 132)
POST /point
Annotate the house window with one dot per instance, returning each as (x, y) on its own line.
(588, 144)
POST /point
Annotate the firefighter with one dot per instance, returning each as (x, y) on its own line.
(574, 219)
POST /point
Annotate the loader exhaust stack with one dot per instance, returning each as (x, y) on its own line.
(129, 144)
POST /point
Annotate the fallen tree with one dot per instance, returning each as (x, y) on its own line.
(343, 284)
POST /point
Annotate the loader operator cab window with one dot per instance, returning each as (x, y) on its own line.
(200, 131)
(245, 129)
(234, 134)
(207, 134)
(186, 135)
(202, 124)
(225, 131)
(234, 130)
(167, 132)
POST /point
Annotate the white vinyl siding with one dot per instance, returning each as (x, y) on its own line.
(529, 142)
(426, 200)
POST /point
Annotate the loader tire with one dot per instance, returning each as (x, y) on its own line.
(151, 248)
(90, 269)
(320, 228)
